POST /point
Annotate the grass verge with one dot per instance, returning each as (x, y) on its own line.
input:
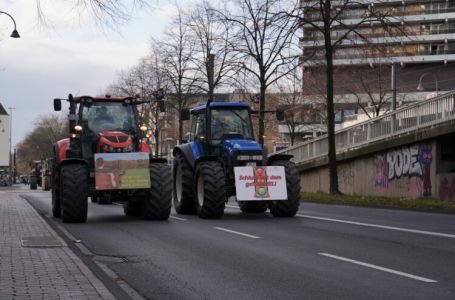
(427, 204)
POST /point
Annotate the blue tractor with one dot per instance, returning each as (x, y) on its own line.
(222, 159)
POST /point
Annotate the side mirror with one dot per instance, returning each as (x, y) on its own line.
(184, 114)
(280, 114)
(57, 104)
(161, 106)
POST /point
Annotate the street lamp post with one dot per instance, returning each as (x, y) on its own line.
(421, 86)
(10, 144)
(14, 34)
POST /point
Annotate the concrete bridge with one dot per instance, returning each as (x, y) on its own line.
(407, 153)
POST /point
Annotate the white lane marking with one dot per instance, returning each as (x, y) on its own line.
(236, 232)
(232, 206)
(447, 235)
(378, 268)
(177, 218)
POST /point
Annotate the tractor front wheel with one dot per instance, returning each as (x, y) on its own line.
(253, 206)
(183, 191)
(210, 190)
(56, 209)
(73, 193)
(157, 204)
(289, 207)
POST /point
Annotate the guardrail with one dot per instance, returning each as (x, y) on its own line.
(414, 116)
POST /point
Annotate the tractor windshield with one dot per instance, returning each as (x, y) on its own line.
(102, 116)
(231, 123)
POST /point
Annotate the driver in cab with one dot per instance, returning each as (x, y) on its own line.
(223, 124)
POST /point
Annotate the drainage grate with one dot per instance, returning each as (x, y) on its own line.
(40, 242)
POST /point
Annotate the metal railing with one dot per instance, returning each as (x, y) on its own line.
(411, 117)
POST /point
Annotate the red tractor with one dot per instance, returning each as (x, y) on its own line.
(106, 158)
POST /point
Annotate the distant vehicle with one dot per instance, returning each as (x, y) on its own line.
(35, 174)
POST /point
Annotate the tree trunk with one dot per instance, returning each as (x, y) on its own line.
(261, 114)
(157, 143)
(329, 50)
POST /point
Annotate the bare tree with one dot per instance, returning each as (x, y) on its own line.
(377, 91)
(214, 57)
(147, 80)
(104, 12)
(266, 43)
(177, 50)
(291, 98)
(325, 20)
(38, 143)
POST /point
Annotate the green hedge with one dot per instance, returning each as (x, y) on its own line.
(420, 204)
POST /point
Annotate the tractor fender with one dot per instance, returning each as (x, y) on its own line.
(60, 149)
(206, 158)
(68, 161)
(275, 157)
(190, 151)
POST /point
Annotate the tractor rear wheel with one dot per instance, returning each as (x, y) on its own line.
(183, 191)
(289, 207)
(210, 190)
(73, 193)
(158, 203)
(253, 206)
(33, 182)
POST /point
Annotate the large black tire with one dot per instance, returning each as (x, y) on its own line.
(73, 193)
(134, 208)
(47, 183)
(253, 206)
(289, 207)
(157, 206)
(210, 187)
(33, 182)
(183, 189)
(56, 209)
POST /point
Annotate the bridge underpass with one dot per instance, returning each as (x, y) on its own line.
(408, 153)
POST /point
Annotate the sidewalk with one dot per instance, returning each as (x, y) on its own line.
(34, 262)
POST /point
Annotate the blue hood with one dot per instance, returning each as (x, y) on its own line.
(233, 146)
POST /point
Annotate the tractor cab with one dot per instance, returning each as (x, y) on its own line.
(108, 127)
(224, 130)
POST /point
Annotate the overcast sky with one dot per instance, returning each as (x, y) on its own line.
(68, 55)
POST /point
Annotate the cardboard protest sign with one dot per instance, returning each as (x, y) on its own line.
(260, 183)
(122, 171)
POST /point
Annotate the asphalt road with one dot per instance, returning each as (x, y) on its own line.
(325, 252)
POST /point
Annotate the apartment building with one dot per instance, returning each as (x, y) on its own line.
(418, 36)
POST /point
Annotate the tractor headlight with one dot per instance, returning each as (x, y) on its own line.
(249, 157)
(107, 148)
(78, 128)
(128, 148)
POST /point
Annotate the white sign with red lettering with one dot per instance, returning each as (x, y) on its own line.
(260, 183)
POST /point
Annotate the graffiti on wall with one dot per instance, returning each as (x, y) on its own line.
(412, 162)
(446, 190)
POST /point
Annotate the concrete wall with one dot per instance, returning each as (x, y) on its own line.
(407, 171)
